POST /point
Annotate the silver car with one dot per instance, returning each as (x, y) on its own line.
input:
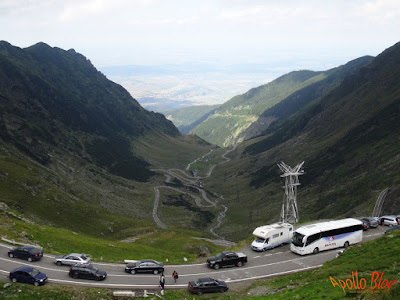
(388, 220)
(71, 259)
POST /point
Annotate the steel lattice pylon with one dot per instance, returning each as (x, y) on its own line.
(290, 213)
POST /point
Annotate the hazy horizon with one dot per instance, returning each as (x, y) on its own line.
(290, 35)
(153, 32)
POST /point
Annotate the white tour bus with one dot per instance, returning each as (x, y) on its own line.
(326, 235)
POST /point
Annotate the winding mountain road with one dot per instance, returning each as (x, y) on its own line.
(191, 182)
(279, 261)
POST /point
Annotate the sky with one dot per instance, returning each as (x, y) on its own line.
(316, 34)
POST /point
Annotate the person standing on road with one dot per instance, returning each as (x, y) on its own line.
(162, 283)
(175, 275)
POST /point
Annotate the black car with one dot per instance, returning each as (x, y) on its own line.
(86, 271)
(145, 266)
(207, 285)
(373, 222)
(227, 259)
(28, 274)
(26, 252)
(365, 224)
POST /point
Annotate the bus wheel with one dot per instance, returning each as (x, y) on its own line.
(316, 250)
(346, 244)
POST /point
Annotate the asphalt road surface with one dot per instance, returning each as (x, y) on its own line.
(278, 261)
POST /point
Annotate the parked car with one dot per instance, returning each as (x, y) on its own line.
(207, 285)
(28, 274)
(71, 259)
(86, 271)
(365, 224)
(392, 228)
(373, 221)
(226, 259)
(388, 220)
(26, 252)
(145, 266)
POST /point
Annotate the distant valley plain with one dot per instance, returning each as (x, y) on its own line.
(178, 87)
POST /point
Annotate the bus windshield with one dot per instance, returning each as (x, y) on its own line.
(298, 239)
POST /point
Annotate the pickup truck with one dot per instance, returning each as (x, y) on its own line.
(226, 259)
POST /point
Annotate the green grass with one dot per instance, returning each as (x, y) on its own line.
(49, 291)
(166, 152)
(63, 198)
(173, 245)
(203, 166)
(187, 115)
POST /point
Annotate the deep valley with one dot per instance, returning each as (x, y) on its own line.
(84, 166)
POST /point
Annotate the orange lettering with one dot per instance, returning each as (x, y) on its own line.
(391, 283)
(365, 283)
(374, 281)
(351, 283)
(342, 285)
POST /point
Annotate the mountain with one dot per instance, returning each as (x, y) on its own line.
(234, 116)
(187, 118)
(349, 140)
(303, 97)
(56, 97)
(76, 150)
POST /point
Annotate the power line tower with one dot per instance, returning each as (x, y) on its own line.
(290, 213)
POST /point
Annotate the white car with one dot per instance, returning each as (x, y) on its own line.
(388, 220)
(71, 259)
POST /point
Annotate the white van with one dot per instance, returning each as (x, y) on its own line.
(271, 236)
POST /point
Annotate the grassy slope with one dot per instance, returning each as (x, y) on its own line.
(173, 245)
(170, 152)
(184, 117)
(97, 205)
(234, 116)
(202, 166)
(300, 99)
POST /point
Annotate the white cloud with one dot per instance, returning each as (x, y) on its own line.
(82, 9)
(382, 11)
(241, 15)
(156, 31)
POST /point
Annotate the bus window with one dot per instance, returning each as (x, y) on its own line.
(312, 238)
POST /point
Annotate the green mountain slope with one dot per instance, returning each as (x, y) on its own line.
(349, 140)
(76, 150)
(187, 118)
(279, 113)
(233, 117)
(56, 97)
